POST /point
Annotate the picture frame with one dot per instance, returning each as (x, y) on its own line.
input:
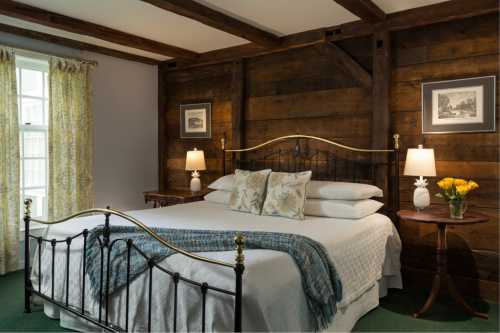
(196, 121)
(459, 105)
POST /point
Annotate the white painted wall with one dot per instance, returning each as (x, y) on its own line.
(125, 104)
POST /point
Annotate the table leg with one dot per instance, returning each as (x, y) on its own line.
(460, 300)
(436, 284)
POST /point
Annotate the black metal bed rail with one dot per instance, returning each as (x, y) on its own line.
(106, 246)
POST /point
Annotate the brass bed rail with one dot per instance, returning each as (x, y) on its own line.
(106, 244)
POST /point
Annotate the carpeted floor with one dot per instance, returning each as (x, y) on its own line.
(393, 314)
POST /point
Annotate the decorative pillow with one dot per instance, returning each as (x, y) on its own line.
(286, 194)
(225, 183)
(220, 197)
(318, 189)
(342, 209)
(249, 190)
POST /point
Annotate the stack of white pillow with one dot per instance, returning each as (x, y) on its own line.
(323, 198)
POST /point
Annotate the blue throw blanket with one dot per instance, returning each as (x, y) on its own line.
(320, 281)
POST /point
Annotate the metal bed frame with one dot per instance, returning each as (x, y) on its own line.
(324, 165)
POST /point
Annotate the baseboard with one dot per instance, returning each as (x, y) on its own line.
(484, 289)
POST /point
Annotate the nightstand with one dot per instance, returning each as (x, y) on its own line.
(441, 218)
(173, 196)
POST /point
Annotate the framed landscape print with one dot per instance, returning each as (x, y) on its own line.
(196, 121)
(462, 105)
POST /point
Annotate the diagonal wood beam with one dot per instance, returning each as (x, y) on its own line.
(66, 23)
(348, 64)
(75, 44)
(218, 20)
(364, 9)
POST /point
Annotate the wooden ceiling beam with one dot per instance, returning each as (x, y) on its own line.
(440, 12)
(75, 44)
(66, 23)
(364, 9)
(426, 15)
(217, 20)
(293, 41)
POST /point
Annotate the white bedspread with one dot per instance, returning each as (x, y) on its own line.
(363, 251)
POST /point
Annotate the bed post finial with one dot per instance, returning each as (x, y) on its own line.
(396, 140)
(239, 240)
(27, 208)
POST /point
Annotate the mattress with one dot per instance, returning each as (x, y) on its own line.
(364, 251)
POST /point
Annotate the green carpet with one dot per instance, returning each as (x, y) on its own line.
(393, 314)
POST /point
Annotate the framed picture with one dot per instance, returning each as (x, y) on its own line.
(457, 106)
(196, 121)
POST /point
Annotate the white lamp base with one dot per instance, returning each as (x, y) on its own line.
(421, 196)
(195, 185)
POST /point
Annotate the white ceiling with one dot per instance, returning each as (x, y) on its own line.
(281, 17)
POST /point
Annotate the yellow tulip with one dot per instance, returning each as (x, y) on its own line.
(473, 185)
(445, 183)
(463, 189)
(460, 182)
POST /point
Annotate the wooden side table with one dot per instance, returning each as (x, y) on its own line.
(442, 220)
(173, 196)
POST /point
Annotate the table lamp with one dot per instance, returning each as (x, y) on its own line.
(195, 161)
(420, 162)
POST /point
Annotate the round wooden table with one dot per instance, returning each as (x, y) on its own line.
(442, 219)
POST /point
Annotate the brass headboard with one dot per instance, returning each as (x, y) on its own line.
(327, 159)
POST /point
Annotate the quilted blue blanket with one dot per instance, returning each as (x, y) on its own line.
(320, 281)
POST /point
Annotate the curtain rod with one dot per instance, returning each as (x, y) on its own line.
(45, 54)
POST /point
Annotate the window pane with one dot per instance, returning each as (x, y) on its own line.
(32, 111)
(32, 82)
(34, 144)
(39, 199)
(34, 173)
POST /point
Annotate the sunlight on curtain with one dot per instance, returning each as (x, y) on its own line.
(9, 165)
(70, 138)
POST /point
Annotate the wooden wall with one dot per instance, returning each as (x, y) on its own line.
(306, 91)
(459, 49)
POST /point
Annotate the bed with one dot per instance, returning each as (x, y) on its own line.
(365, 253)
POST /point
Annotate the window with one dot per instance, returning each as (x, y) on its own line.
(33, 105)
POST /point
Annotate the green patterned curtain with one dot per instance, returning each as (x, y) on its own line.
(9, 164)
(70, 138)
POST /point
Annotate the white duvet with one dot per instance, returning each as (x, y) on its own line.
(363, 251)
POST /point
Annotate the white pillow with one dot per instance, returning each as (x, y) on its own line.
(342, 209)
(220, 197)
(318, 189)
(225, 183)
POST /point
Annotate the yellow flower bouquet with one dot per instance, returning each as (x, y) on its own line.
(454, 192)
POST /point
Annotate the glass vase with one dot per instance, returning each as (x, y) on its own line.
(457, 209)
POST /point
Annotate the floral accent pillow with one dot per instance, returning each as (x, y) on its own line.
(286, 194)
(249, 190)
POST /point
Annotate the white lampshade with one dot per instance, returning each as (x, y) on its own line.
(195, 160)
(420, 162)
